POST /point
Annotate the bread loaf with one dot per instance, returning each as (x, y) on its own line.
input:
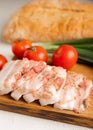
(51, 20)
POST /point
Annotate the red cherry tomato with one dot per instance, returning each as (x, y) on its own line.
(20, 46)
(65, 56)
(3, 61)
(37, 53)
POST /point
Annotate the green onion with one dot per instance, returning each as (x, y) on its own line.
(86, 55)
(83, 46)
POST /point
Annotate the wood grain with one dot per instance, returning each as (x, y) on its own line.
(48, 112)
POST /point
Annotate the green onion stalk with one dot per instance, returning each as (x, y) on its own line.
(83, 46)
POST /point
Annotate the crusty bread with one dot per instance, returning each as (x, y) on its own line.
(51, 20)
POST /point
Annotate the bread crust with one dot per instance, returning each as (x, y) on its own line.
(51, 20)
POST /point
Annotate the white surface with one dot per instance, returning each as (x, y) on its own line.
(12, 121)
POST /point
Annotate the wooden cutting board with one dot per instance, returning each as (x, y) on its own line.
(48, 112)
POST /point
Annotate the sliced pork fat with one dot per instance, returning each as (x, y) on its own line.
(50, 92)
(35, 80)
(13, 71)
(5, 72)
(38, 82)
(25, 83)
(75, 93)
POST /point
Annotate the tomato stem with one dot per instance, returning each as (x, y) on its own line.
(20, 40)
(33, 48)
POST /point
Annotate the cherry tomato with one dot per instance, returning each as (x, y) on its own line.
(36, 53)
(3, 61)
(65, 56)
(20, 46)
